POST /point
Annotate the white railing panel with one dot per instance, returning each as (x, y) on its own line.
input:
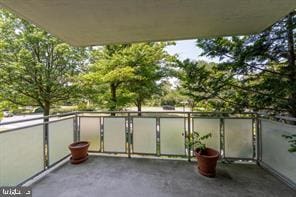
(114, 134)
(172, 132)
(238, 138)
(60, 136)
(144, 135)
(21, 155)
(90, 131)
(205, 126)
(275, 148)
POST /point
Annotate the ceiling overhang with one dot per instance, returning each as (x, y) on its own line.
(99, 22)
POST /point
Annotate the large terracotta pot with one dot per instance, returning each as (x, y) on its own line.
(79, 152)
(207, 161)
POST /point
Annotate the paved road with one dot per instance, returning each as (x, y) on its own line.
(158, 109)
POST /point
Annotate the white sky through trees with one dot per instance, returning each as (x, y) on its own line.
(187, 49)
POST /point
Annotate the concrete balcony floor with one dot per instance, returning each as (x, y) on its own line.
(108, 176)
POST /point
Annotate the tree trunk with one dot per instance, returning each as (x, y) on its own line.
(139, 106)
(291, 65)
(46, 110)
(113, 106)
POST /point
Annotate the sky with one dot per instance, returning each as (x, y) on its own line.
(187, 49)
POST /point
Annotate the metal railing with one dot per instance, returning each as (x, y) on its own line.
(238, 137)
(96, 125)
(273, 148)
(33, 147)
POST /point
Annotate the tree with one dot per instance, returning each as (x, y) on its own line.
(171, 95)
(206, 85)
(151, 63)
(106, 74)
(264, 65)
(36, 68)
(131, 72)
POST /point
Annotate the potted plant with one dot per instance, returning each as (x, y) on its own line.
(206, 157)
(79, 152)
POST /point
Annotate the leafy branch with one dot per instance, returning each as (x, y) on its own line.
(195, 140)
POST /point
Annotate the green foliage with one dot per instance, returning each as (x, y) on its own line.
(261, 68)
(104, 79)
(292, 141)
(36, 68)
(83, 106)
(196, 141)
(256, 72)
(167, 95)
(129, 73)
(150, 62)
(208, 86)
(6, 105)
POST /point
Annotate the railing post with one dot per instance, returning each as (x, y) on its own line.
(129, 135)
(101, 140)
(45, 143)
(222, 137)
(187, 135)
(254, 137)
(158, 151)
(258, 139)
(75, 126)
(102, 134)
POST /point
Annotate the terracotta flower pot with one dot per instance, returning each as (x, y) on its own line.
(207, 161)
(79, 152)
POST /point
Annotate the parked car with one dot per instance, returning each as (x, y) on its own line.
(168, 107)
(7, 114)
(38, 110)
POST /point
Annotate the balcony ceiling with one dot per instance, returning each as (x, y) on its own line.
(99, 22)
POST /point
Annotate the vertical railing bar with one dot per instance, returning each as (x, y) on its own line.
(192, 131)
(78, 121)
(257, 139)
(129, 135)
(75, 128)
(184, 132)
(100, 135)
(125, 135)
(260, 139)
(132, 133)
(187, 136)
(222, 137)
(253, 138)
(44, 149)
(79, 129)
(46, 144)
(158, 136)
(103, 133)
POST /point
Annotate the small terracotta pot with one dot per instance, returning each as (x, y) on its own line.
(79, 152)
(207, 161)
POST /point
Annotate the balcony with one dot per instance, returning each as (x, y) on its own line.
(133, 155)
(109, 176)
